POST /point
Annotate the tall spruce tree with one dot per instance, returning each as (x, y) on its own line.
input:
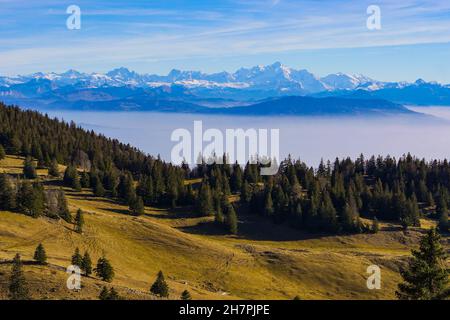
(18, 287)
(2, 152)
(137, 206)
(86, 264)
(7, 193)
(79, 221)
(53, 170)
(185, 295)
(39, 254)
(231, 220)
(77, 259)
(29, 170)
(426, 277)
(160, 287)
(205, 202)
(63, 209)
(104, 269)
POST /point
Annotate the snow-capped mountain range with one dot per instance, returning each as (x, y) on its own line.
(188, 90)
(272, 77)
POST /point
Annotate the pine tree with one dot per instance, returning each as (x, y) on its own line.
(375, 225)
(104, 270)
(79, 221)
(71, 178)
(53, 170)
(39, 254)
(443, 221)
(7, 193)
(86, 264)
(63, 210)
(18, 288)
(246, 193)
(77, 258)
(97, 186)
(268, 204)
(231, 220)
(113, 294)
(218, 217)
(205, 205)
(2, 152)
(29, 170)
(125, 189)
(104, 294)
(137, 206)
(160, 287)
(31, 199)
(236, 178)
(185, 295)
(426, 277)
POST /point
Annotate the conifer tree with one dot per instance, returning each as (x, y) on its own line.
(113, 294)
(185, 295)
(7, 193)
(104, 294)
(71, 178)
(268, 204)
(77, 259)
(219, 218)
(246, 193)
(62, 209)
(31, 199)
(2, 152)
(53, 170)
(18, 288)
(86, 264)
(137, 206)
(236, 178)
(99, 190)
(125, 189)
(29, 170)
(205, 205)
(160, 287)
(426, 277)
(39, 254)
(443, 221)
(104, 270)
(232, 221)
(79, 221)
(375, 225)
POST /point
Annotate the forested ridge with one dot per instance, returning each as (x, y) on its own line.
(331, 198)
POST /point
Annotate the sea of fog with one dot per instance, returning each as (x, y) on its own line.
(307, 138)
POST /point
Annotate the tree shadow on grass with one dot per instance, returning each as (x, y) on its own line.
(205, 228)
(257, 228)
(177, 213)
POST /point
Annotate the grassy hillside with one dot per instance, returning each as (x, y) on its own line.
(264, 261)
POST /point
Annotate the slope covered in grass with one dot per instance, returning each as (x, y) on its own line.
(264, 261)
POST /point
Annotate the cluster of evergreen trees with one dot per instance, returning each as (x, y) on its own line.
(333, 197)
(31, 199)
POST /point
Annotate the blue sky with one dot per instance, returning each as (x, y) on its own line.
(214, 35)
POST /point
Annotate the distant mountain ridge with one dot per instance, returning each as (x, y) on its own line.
(122, 89)
(272, 77)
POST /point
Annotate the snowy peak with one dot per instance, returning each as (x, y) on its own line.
(271, 80)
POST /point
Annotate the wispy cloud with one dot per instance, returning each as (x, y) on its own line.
(120, 32)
